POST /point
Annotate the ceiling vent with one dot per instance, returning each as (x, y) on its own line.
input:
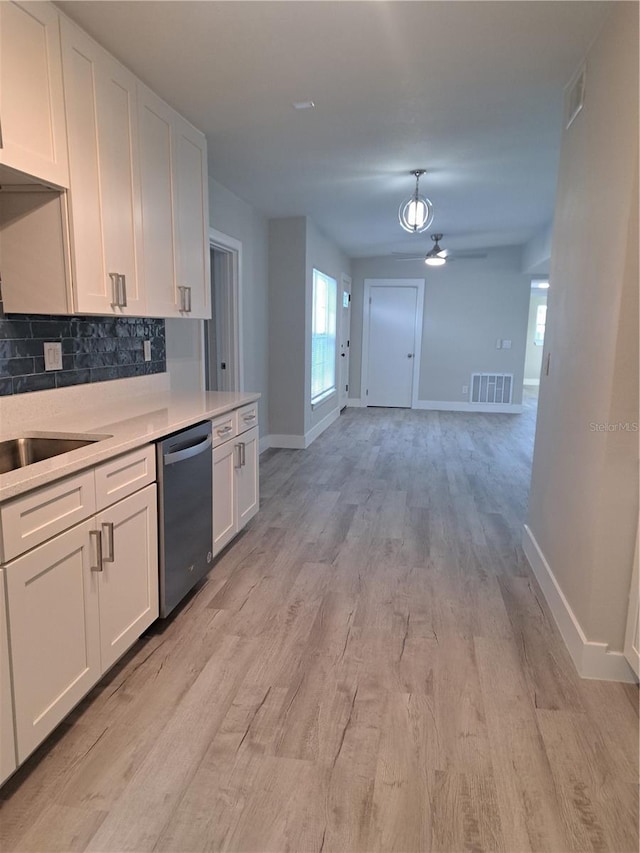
(575, 96)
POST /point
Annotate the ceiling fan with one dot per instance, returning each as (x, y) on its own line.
(437, 257)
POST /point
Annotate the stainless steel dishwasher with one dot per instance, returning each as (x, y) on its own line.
(185, 512)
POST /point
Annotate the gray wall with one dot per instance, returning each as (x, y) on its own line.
(468, 304)
(287, 325)
(236, 218)
(584, 493)
(533, 356)
(326, 257)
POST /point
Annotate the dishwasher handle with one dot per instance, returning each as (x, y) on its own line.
(187, 452)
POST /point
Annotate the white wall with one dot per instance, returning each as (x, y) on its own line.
(236, 218)
(584, 495)
(468, 305)
(533, 355)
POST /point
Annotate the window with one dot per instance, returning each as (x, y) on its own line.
(541, 322)
(323, 337)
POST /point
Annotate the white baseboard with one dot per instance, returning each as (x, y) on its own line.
(287, 442)
(451, 406)
(355, 403)
(265, 444)
(301, 442)
(321, 426)
(592, 660)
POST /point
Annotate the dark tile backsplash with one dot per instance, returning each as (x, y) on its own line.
(94, 349)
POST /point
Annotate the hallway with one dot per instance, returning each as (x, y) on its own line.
(371, 666)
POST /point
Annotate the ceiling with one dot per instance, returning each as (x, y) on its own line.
(470, 91)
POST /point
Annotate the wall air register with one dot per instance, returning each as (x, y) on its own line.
(491, 387)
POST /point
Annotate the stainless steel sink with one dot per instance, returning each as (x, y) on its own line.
(19, 452)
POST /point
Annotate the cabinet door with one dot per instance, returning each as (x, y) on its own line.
(100, 97)
(247, 486)
(52, 597)
(7, 743)
(156, 132)
(225, 458)
(31, 100)
(192, 218)
(129, 578)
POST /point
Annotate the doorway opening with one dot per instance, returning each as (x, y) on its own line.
(536, 326)
(223, 346)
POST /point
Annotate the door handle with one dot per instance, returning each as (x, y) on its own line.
(342, 354)
(109, 533)
(96, 537)
(410, 355)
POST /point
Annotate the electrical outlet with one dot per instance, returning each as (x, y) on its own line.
(498, 344)
(52, 356)
(465, 390)
(506, 344)
(147, 350)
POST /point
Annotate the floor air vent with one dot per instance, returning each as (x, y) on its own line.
(491, 387)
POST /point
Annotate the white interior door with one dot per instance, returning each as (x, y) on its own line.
(393, 312)
(345, 335)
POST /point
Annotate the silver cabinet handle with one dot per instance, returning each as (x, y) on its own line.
(249, 417)
(224, 430)
(96, 537)
(238, 464)
(123, 284)
(115, 289)
(108, 525)
(189, 299)
(243, 454)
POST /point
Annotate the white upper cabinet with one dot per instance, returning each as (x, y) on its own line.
(175, 222)
(157, 185)
(192, 232)
(32, 122)
(102, 124)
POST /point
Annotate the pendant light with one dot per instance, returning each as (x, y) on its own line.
(436, 257)
(416, 214)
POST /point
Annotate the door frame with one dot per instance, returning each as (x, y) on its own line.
(369, 284)
(343, 397)
(233, 247)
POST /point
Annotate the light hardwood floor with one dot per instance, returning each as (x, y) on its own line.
(371, 666)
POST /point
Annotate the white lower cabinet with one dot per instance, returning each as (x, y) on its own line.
(236, 495)
(55, 632)
(8, 760)
(76, 604)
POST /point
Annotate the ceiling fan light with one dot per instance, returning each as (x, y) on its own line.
(435, 260)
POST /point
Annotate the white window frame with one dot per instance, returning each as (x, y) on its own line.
(328, 390)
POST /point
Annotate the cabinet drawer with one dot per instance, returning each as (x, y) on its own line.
(247, 417)
(224, 428)
(33, 518)
(124, 475)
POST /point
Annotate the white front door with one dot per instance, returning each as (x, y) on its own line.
(393, 323)
(345, 335)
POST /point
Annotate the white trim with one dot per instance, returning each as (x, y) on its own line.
(450, 406)
(369, 283)
(355, 403)
(264, 444)
(592, 660)
(219, 240)
(287, 442)
(531, 382)
(322, 398)
(301, 442)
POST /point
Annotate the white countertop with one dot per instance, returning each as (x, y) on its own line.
(129, 423)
